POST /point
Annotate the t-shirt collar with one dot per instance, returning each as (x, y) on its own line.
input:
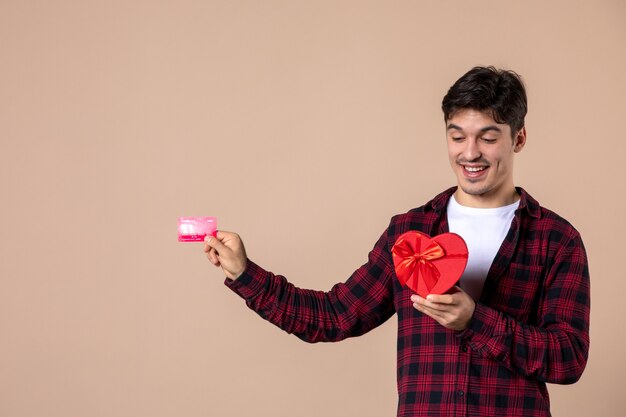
(527, 202)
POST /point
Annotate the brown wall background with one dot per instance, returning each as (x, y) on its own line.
(302, 125)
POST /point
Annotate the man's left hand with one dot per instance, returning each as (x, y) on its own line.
(453, 310)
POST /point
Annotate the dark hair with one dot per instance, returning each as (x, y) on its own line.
(499, 92)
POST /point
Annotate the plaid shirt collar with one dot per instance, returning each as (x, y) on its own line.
(527, 202)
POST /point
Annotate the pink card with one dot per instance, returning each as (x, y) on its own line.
(195, 229)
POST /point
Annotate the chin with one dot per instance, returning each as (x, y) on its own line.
(474, 190)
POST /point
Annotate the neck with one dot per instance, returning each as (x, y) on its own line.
(485, 200)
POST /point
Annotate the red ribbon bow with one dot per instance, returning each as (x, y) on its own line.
(414, 265)
(419, 260)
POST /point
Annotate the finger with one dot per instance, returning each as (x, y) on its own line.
(426, 304)
(430, 301)
(223, 235)
(207, 248)
(214, 261)
(432, 310)
(432, 313)
(441, 299)
(215, 243)
(212, 255)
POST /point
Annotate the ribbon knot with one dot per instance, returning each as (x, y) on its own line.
(413, 266)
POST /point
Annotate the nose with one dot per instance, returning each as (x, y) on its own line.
(471, 151)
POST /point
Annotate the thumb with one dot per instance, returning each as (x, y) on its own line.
(215, 242)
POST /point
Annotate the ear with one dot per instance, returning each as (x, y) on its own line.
(520, 140)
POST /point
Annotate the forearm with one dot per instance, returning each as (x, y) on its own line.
(556, 353)
(317, 316)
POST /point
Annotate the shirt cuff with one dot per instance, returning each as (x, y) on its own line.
(250, 283)
(485, 324)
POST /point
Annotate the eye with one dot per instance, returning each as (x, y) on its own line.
(457, 138)
(489, 140)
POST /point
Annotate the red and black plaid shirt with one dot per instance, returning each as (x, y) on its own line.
(530, 326)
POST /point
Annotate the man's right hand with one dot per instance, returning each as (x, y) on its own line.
(226, 250)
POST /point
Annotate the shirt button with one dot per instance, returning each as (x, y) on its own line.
(461, 393)
(464, 347)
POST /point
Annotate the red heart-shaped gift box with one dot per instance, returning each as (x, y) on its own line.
(429, 265)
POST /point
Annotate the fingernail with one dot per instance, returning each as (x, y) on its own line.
(429, 297)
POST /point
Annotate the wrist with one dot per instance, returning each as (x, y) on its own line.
(233, 275)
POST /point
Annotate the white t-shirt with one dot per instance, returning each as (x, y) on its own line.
(484, 230)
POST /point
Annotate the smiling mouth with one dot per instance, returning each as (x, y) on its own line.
(474, 172)
(474, 169)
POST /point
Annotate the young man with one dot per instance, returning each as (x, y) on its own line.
(519, 317)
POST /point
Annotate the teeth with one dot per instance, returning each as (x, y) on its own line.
(474, 169)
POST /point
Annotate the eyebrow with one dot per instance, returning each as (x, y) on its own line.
(495, 128)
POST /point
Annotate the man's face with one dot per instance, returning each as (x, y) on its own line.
(481, 155)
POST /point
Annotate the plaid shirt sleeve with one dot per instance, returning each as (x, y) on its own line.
(555, 350)
(349, 309)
